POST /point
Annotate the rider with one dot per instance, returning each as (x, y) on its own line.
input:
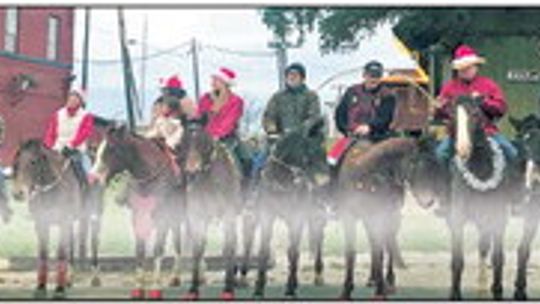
(224, 109)
(467, 82)
(68, 131)
(295, 108)
(173, 86)
(366, 110)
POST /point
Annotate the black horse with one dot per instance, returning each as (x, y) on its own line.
(528, 139)
(289, 184)
(483, 185)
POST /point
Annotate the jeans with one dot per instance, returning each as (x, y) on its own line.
(444, 150)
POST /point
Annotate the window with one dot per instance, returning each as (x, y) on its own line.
(53, 27)
(12, 25)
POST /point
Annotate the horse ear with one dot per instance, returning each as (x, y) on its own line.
(204, 119)
(516, 123)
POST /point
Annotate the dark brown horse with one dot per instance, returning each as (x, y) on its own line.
(214, 191)
(156, 197)
(46, 180)
(370, 187)
(528, 138)
(483, 185)
(290, 182)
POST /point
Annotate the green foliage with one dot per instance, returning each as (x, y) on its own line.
(343, 28)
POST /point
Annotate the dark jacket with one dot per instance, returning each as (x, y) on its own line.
(359, 106)
(291, 109)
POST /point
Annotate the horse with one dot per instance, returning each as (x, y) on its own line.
(214, 191)
(288, 188)
(46, 180)
(483, 183)
(156, 198)
(371, 186)
(528, 137)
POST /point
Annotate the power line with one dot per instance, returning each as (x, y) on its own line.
(239, 52)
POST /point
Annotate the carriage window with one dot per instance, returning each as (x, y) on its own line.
(53, 27)
(11, 25)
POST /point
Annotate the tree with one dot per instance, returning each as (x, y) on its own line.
(420, 28)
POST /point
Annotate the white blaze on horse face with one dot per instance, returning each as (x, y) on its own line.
(463, 138)
(99, 169)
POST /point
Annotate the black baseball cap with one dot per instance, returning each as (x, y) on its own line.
(374, 69)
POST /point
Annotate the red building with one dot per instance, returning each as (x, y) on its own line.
(36, 59)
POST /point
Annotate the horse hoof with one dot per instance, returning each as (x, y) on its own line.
(520, 296)
(59, 293)
(345, 297)
(319, 280)
(155, 294)
(370, 283)
(227, 296)
(191, 296)
(137, 293)
(40, 292)
(95, 282)
(175, 282)
(290, 295)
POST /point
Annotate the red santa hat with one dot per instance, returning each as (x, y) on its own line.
(465, 56)
(226, 75)
(173, 82)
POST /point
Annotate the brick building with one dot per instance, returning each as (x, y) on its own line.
(36, 59)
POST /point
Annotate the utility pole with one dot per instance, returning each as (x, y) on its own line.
(86, 47)
(129, 81)
(280, 48)
(144, 53)
(195, 67)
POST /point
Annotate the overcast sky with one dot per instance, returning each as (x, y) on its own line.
(235, 38)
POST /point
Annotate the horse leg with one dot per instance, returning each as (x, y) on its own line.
(229, 252)
(198, 232)
(264, 255)
(458, 260)
(95, 228)
(177, 240)
(484, 244)
(350, 257)
(140, 256)
(159, 249)
(390, 275)
(523, 253)
(66, 231)
(248, 229)
(377, 242)
(372, 267)
(316, 238)
(295, 226)
(498, 262)
(42, 231)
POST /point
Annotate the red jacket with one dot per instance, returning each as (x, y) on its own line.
(69, 130)
(494, 103)
(224, 122)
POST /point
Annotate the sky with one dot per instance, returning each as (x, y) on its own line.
(233, 38)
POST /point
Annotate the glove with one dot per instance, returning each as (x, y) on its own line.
(68, 152)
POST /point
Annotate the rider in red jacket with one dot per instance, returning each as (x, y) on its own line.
(467, 82)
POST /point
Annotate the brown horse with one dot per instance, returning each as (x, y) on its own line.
(370, 187)
(46, 180)
(214, 191)
(289, 188)
(156, 197)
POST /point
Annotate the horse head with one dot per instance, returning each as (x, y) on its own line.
(467, 124)
(31, 167)
(114, 154)
(528, 140)
(196, 147)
